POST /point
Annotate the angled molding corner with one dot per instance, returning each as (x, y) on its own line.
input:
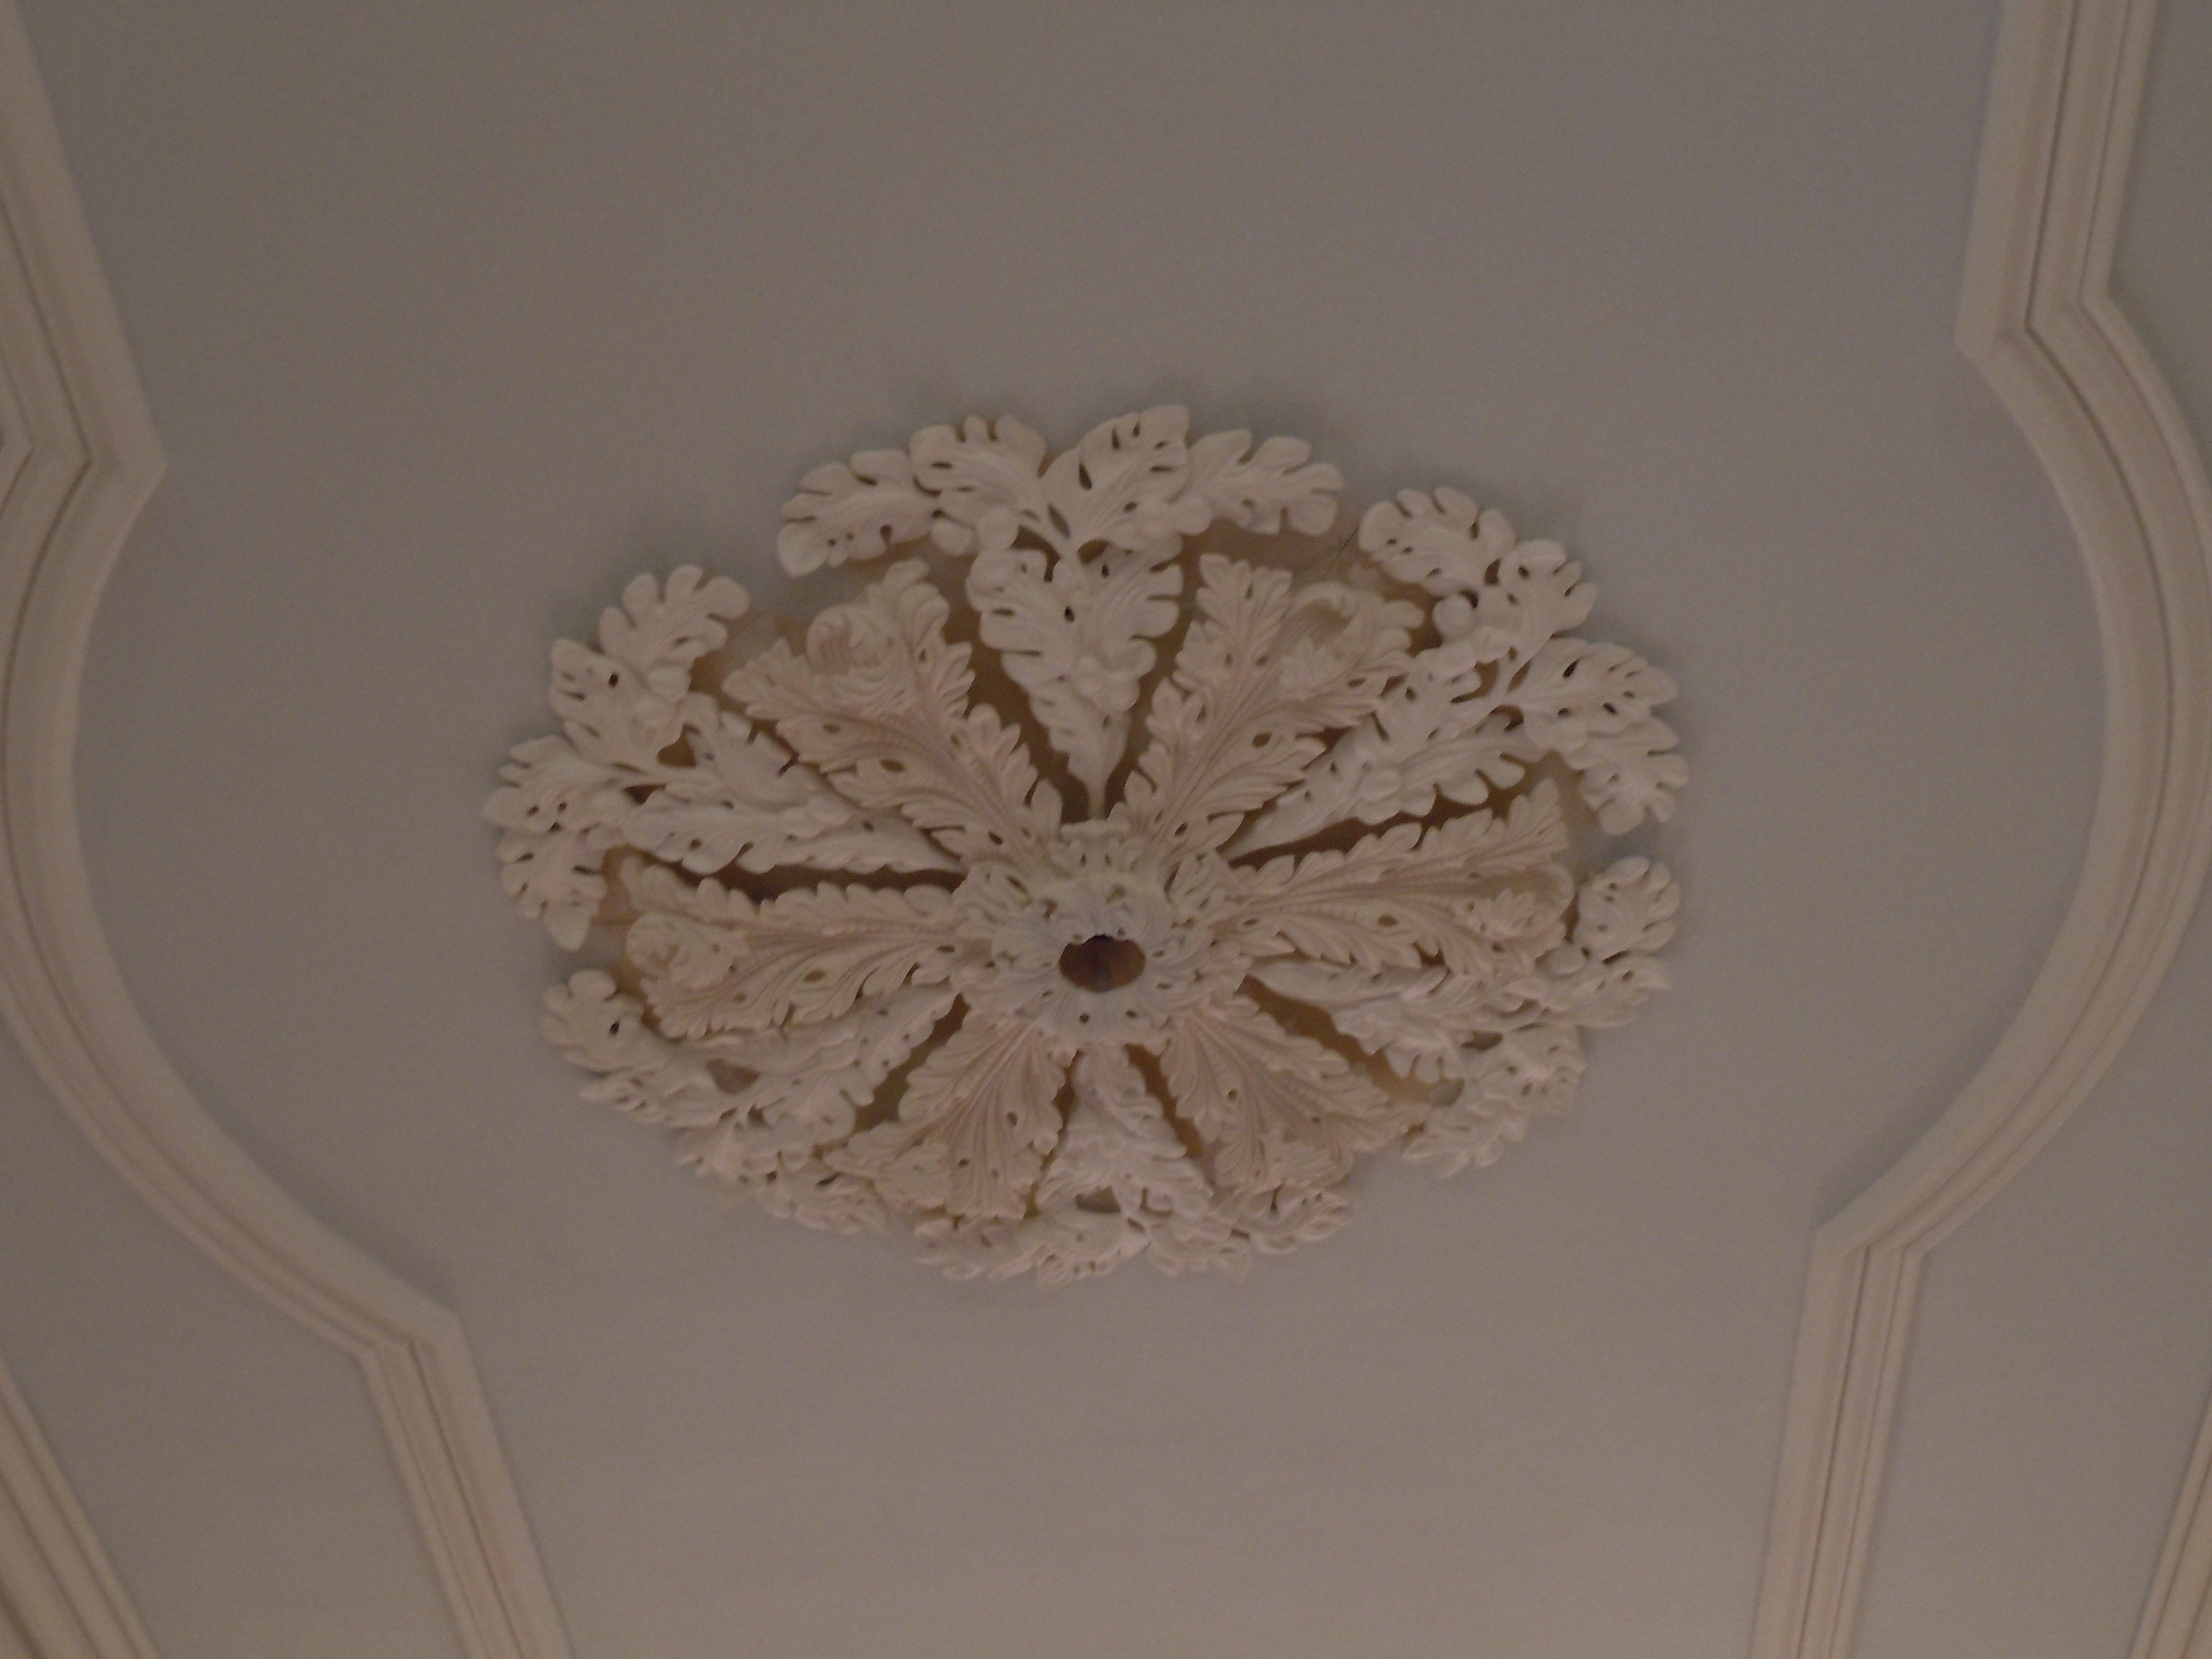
(2038, 320)
(54, 1578)
(78, 458)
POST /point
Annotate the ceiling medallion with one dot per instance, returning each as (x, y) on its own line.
(1150, 1006)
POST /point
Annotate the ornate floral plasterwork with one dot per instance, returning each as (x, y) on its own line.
(1155, 1008)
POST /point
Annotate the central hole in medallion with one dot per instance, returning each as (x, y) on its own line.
(1102, 963)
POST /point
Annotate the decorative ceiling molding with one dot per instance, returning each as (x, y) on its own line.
(1246, 952)
(2037, 318)
(54, 1578)
(2177, 1621)
(78, 458)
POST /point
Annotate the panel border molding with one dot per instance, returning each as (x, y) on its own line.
(55, 1580)
(78, 459)
(2177, 1621)
(2038, 320)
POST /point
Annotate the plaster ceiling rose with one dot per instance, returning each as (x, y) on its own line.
(1071, 1006)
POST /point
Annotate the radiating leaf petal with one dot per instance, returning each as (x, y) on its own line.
(1473, 890)
(744, 801)
(879, 702)
(1273, 1109)
(714, 961)
(1262, 669)
(978, 1116)
(1073, 637)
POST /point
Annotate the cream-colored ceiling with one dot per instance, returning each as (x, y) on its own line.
(451, 322)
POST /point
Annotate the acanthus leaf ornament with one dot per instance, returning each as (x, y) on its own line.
(875, 963)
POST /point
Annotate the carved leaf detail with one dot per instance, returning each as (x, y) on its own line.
(1278, 483)
(657, 1081)
(660, 631)
(1416, 1019)
(1073, 637)
(623, 704)
(554, 878)
(977, 1118)
(1053, 1046)
(1438, 542)
(1274, 1110)
(1629, 774)
(1280, 1221)
(1471, 891)
(714, 961)
(1500, 692)
(1529, 1073)
(1059, 1247)
(550, 787)
(817, 1077)
(1121, 484)
(1629, 908)
(1374, 776)
(1573, 689)
(744, 801)
(1117, 1143)
(643, 1074)
(986, 484)
(1591, 704)
(1434, 730)
(741, 801)
(1262, 669)
(1577, 989)
(858, 512)
(1534, 593)
(1576, 986)
(565, 802)
(1133, 482)
(879, 702)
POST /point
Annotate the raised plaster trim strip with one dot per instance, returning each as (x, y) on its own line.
(2036, 317)
(56, 1586)
(2177, 1621)
(78, 460)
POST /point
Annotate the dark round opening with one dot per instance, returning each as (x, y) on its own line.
(1102, 963)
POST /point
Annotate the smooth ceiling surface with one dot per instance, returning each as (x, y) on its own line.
(450, 323)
